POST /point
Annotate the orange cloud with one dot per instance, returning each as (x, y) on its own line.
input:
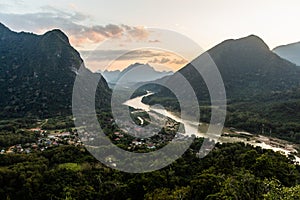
(71, 23)
(96, 34)
(139, 33)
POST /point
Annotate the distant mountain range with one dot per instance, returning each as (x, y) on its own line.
(110, 76)
(290, 52)
(134, 73)
(37, 73)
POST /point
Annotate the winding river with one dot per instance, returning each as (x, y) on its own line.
(191, 128)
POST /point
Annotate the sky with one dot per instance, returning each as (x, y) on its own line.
(104, 31)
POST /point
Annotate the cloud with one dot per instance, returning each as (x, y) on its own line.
(179, 62)
(71, 23)
(121, 54)
(153, 41)
(95, 34)
(160, 61)
(151, 56)
(118, 59)
(138, 32)
(164, 60)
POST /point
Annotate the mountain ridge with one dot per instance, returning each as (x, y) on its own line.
(290, 52)
(248, 65)
(262, 88)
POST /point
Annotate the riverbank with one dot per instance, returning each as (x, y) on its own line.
(229, 135)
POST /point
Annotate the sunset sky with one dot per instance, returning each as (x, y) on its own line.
(126, 26)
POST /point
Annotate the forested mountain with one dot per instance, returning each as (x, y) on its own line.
(249, 69)
(262, 88)
(37, 74)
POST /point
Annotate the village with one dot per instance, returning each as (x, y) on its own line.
(44, 141)
(128, 136)
(133, 137)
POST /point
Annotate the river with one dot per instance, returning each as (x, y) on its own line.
(191, 128)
